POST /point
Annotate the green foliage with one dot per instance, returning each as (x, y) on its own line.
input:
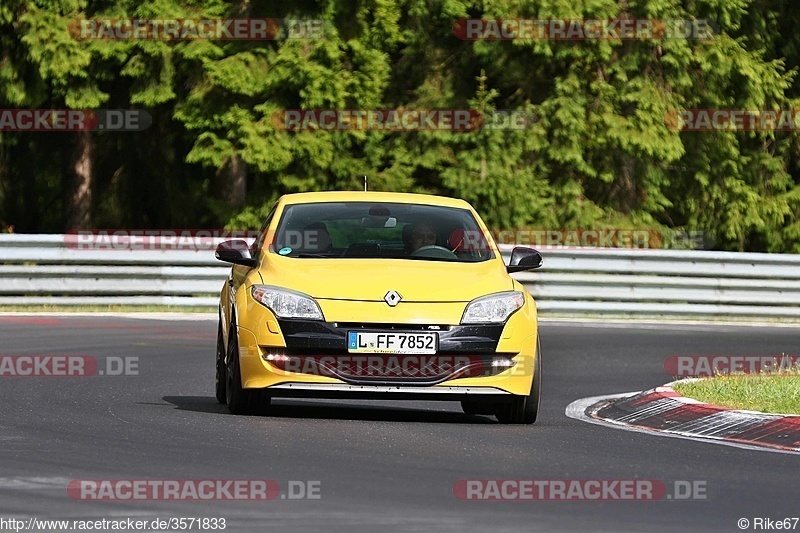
(250, 218)
(601, 151)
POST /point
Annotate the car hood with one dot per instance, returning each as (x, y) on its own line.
(372, 279)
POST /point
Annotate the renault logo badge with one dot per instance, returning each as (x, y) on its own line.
(392, 298)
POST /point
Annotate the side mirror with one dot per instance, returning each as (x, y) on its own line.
(236, 251)
(524, 259)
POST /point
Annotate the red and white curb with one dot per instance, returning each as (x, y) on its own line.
(663, 411)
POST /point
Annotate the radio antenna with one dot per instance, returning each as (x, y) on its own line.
(365, 184)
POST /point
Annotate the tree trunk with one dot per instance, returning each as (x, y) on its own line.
(79, 183)
(233, 179)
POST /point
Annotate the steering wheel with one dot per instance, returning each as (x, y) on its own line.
(434, 251)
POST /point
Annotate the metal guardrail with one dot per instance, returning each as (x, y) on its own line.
(44, 270)
(52, 270)
(666, 282)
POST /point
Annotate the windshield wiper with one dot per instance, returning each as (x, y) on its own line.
(314, 255)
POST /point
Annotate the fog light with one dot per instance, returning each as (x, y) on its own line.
(502, 362)
(273, 355)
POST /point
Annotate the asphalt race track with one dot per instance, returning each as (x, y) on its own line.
(382, 466)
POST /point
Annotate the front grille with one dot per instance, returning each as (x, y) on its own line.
(392, 327)
(317, 337)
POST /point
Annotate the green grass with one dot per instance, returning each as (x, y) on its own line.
(678, 318)
(768, 393)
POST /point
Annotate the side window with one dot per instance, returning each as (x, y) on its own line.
(262, 235)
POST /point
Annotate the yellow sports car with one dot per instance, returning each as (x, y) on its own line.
(377, 295)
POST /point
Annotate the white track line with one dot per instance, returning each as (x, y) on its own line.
(703, 325)
(34, 483)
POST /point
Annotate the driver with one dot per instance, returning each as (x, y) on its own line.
(422, 235)
(316, 238)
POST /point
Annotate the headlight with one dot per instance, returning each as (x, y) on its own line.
(495, 308)
(285, 303)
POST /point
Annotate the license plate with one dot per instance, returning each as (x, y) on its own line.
(392, 343)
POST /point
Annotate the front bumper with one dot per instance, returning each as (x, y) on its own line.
(386, 392)
(270, 350)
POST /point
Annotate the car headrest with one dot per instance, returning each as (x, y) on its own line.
(461, 240)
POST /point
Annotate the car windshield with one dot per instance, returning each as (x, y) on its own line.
(380, 230)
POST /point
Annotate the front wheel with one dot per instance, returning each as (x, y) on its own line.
(221, 372)
(241, 401)
(524, 409)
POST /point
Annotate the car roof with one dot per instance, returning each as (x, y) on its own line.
(373, 196)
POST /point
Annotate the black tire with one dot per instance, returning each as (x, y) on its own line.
(241, 401)
(473, 408)
(524, 409)
(220, 375)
